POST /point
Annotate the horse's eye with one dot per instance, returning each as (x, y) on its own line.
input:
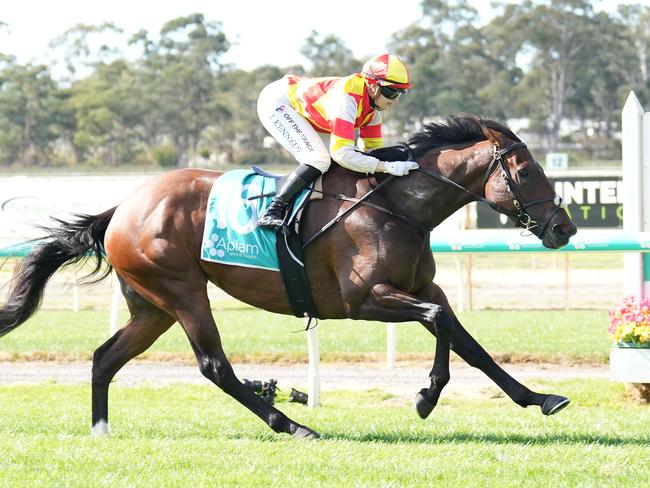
(523, 173)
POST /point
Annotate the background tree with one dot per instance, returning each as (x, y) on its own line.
(29, 103)
(329, 56)
(634, 22)
(427, 45)
(600, 85)
(179, 72)
(419, 48)
(5, 58)
(107, 120)
(559, 34)
(83, 47)
(235, 130)
(543, 61)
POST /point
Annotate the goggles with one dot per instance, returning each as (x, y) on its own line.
(389, 92)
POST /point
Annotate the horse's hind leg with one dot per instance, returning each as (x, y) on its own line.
(463, 344)
(196, 318)
(146, 324)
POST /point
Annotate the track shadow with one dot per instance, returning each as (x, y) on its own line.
(500, 439)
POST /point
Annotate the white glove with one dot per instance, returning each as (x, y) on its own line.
(399, 168)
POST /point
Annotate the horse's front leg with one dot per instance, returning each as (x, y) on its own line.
(388, 304)
(463, 344)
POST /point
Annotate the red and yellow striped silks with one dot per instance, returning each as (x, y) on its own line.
(337, 106)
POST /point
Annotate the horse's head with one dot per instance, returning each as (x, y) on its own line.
(516, 185)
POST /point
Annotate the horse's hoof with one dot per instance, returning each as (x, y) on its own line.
(100, 429)
(422, 405)
(306, 433)
(554, 403)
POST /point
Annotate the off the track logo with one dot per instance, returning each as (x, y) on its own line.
(290, 131)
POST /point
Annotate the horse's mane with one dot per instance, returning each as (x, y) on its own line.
(458, 129)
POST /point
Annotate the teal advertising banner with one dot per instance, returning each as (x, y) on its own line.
(231, 235)
(479, 241)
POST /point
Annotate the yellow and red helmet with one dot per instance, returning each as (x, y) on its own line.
(388, 70)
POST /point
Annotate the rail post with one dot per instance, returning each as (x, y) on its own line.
(633, 121)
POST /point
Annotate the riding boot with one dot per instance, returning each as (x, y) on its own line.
(297, 181)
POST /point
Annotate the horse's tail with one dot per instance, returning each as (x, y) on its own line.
(69, 243)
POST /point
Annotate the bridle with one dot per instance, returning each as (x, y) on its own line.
(521, 216)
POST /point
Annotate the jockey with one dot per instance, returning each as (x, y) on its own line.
(315, 120)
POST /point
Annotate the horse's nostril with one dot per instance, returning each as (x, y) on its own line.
(565, 230)
(561, 230)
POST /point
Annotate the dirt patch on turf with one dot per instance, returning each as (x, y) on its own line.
(398, 385)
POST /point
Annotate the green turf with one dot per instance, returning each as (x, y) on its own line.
(196, 436)
(555, 335)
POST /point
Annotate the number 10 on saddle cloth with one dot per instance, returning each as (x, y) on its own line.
(231, 235)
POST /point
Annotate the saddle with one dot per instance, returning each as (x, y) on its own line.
(290, 254)
(316, 194)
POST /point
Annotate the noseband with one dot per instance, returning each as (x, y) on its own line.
(521, 216)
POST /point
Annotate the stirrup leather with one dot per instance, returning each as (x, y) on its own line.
(297, 181)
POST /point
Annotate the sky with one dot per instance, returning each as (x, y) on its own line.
(266, 31)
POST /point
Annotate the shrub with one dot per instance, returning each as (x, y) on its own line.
(165, 155)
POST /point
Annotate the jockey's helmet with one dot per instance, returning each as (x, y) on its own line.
(388, 70)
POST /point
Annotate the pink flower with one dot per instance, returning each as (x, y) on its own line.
(629, 321)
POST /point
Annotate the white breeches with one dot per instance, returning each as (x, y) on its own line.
(290, 128)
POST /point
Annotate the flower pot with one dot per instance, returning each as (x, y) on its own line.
(629, 364)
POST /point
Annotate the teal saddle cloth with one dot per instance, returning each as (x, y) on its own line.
(231, 235)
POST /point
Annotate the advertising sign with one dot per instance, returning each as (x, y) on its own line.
(593, 201)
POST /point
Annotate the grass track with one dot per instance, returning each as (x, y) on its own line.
(194, 435)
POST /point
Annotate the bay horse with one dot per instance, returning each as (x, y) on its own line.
(375, 264)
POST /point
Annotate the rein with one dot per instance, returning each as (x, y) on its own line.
(521, 216)
(381, 208)
(357, 203)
